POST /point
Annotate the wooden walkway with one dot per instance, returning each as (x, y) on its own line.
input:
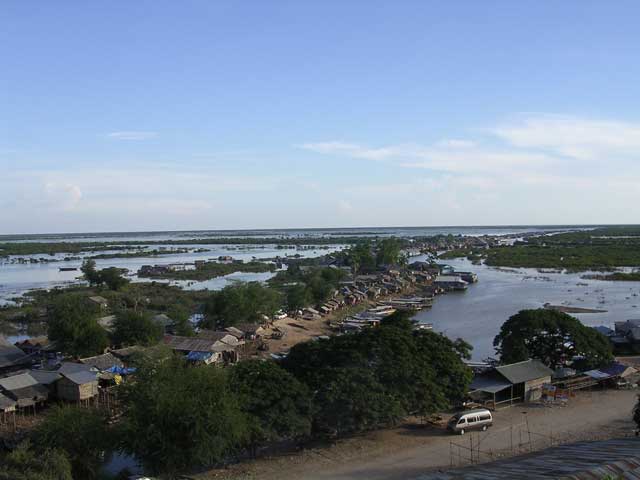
(572, 461)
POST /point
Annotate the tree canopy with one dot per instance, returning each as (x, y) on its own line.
(80, 433)
(113, 278)
(554, 338)
(73, 325)
(25, 463)
(241, 303)
(278, 405)
(179, 417)
(136, 328)
(404, 371)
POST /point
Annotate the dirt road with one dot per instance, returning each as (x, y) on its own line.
(411, 450)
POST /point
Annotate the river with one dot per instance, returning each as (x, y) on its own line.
(477, 314)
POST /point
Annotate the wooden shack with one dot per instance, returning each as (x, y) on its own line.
(77, 386)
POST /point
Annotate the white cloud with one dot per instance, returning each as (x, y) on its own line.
(132, 135)
(62, 195)
(572, 136)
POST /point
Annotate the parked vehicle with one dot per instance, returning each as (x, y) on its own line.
(479, 419)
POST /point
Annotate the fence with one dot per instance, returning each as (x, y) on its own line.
(516, 439)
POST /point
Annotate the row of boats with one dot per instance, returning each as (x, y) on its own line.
(373, 316)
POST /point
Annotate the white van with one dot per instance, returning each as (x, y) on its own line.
(479, 419)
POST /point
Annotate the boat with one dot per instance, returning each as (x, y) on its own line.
(68, 269)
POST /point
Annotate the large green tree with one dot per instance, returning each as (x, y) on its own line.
(91, 275)
(410, 372)
(278, 405)
(27, 463)
(73, 326)
(80, 433)
(241, 303)
(136, 328)
(554, 338)
(181, 417)
(113, 278)
(388, 251)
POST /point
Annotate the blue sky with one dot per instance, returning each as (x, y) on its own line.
(264, 114)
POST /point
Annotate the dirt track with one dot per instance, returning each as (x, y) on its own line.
(411, 450)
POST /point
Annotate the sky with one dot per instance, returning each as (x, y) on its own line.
(163, 115)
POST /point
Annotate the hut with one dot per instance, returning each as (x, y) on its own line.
(77, 386)
(11, 357)
(24, 389)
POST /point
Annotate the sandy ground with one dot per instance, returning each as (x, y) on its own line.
(299, 330)
(413, 449)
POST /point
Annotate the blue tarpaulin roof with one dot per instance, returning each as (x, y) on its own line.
(121, 370)
(199, 356)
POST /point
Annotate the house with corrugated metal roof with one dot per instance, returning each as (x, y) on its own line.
(24, 389)
(11, 357)
(505, 385)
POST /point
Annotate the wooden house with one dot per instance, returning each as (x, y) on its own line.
(77, 386)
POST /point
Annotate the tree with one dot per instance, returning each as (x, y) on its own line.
(113, 278)
(552, 337)
(360, 258)
(241, 303)
(136, 328)
(405, 372)
(25, 463)
(278, 405)
(92, 275)
(180, 417)
(73, 326)
(298, 297)
(180, 316)
(352, 400)
(636, 414)
(388, 252)
(80, 433)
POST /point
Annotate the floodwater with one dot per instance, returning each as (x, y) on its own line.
(18, 278)
(477, 314)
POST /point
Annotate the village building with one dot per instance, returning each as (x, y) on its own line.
(450, 282)
(102, 302)
(77, 386)
(508, 384)
(167, 323)
(12, 358)
(24, 389)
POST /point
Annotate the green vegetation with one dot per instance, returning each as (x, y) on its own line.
(78, 432)
(552, 337)
(617, 277)
(599, 249)
(571, 257)
(73, 325)
(277, 405)
(51, 248)
(111, 277)
(375, 377)
(25, 463)
(136, 328)
(241, 303)
(214, 269)
(304, 286)
(179, 417)
(636, 414)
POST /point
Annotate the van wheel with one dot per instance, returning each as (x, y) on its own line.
(462, 431)
(484, 428)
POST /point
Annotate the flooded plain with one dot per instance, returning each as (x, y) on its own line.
(477, 314)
